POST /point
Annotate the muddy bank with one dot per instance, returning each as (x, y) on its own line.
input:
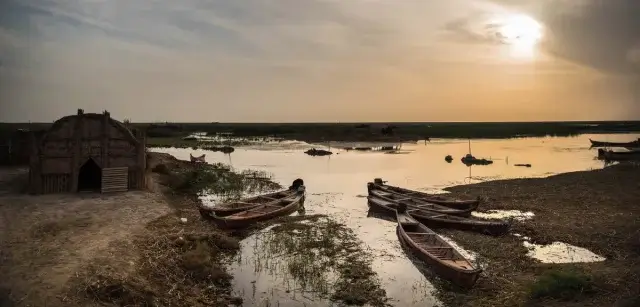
(597, 210)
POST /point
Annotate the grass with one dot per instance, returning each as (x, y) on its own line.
(177, 266)
(567, 284)
(324, 257)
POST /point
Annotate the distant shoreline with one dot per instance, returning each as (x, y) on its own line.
(369, 132)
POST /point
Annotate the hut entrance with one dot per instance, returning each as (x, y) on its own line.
(90, 176)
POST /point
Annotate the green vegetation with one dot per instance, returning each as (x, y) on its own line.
(324, 257)
(566, 284)
(217, 179)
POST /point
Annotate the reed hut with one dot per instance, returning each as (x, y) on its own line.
(87, 152)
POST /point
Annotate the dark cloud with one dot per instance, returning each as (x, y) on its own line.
(601, 34)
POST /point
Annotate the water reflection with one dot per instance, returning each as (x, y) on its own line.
(334, 185)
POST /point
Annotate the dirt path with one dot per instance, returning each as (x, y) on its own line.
(45, 240)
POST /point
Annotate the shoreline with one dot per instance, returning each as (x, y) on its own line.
(594, 209)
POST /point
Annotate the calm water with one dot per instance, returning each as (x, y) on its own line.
(335, 186)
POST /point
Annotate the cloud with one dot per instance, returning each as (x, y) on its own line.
(257, 60)
(596, 33)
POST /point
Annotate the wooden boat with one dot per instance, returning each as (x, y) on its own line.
(439, 255)
(609, 155)
(264, 212)
(440, 220)
(417, 203)
(632, 144)
(236, 206)
(471, 160)
(435, 199)
(199, 159)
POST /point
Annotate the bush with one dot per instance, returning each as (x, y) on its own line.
(561, 284)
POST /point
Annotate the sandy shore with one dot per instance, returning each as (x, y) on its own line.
(598, 210)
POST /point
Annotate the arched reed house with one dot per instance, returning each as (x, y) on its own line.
(87, 152)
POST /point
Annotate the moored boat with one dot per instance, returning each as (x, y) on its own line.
(417, 203)
(236, 206)
(439, 255)
(632, 144)
(461, 204)
(441, 220)
(263, 212)
(609, 155)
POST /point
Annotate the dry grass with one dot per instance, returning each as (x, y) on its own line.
(597, 210)
(178, 265)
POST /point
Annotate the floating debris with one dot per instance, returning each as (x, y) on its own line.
(448, 158)
(558, 252)
(523, 165)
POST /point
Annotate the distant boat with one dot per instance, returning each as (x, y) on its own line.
(469, 159)
(632, 144)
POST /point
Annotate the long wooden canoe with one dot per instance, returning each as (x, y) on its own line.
(417, 203)
(439, 255)
(609, 155)
(236, 206)
(440, 220)
(461, 204)
(245, 218)
(632, 144)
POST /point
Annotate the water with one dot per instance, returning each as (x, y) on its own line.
(558, 252)
(335, 186)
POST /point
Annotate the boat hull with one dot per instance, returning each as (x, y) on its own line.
(417, 202)
(466, 279)
(485, 227)
(435, 199)
(223, 210)
(634, 144)
(229, 223)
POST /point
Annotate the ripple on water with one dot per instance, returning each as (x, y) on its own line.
(558, 252)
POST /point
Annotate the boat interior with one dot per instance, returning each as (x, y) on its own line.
(257, 200)
(262, 209)
(431, 243)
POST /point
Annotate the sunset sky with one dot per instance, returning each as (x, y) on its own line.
(321, 60)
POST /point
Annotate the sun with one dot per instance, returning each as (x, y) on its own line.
(520, 31)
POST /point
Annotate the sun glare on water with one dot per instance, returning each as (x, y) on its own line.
(522, 33)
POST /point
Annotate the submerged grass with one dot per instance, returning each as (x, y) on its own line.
(324, 257)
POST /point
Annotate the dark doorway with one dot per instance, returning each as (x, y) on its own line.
(90, 176)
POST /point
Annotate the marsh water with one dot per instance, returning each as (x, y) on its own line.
(336, 186)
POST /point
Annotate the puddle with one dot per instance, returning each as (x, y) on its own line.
(505, 214)
(559, 252)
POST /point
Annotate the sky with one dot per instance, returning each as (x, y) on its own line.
(320, 60)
